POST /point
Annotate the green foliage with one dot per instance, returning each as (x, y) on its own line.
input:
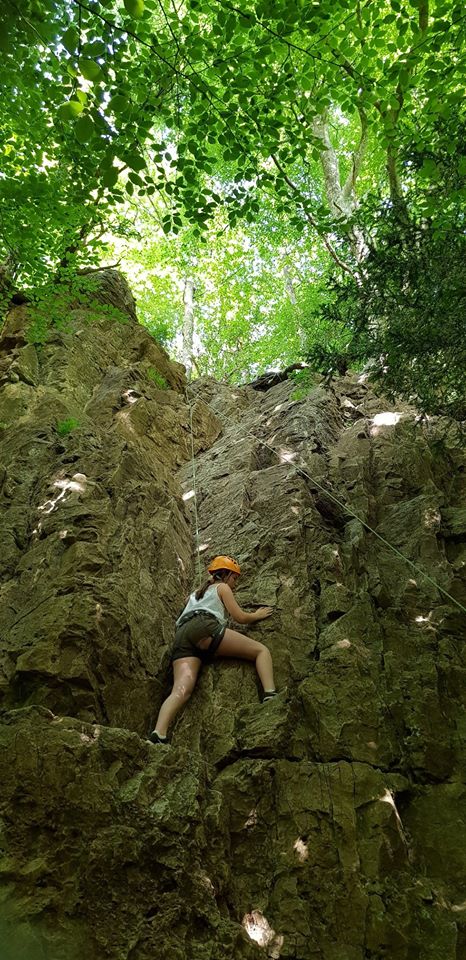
(135, 8)
(330, 359)
(52, 306)
(122, 121)
(405, 315)
(157, 323)
(246, 279)
(157, 378)
(305, 381)
(64, 427)
(144, 99)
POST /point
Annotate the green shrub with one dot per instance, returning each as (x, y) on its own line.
(305, 381)
(157, 378)
(64, 427)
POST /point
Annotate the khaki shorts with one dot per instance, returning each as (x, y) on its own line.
(188, 634)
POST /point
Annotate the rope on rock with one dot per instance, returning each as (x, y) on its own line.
(418, 570)
(193, 465)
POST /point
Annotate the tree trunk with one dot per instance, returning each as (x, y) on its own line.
(292, 298)
(188, 327)
(342, 198)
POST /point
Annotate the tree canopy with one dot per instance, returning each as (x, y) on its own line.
(274, 156)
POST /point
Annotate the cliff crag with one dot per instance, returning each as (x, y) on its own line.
(327, 824)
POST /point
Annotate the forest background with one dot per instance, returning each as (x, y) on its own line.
(280, 182)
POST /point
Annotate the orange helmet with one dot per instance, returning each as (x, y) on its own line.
(223, 563)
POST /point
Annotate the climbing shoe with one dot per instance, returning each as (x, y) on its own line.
(269, 695)
(155, 738)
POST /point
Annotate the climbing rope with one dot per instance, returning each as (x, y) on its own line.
(331, 496)
(418, 570)
(193, 467)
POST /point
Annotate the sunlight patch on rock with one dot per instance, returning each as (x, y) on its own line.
(286, 456)
(301, 849)
(76, 485)
(258, 928)
(386, 419)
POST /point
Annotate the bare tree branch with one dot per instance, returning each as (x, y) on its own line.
(108, 266)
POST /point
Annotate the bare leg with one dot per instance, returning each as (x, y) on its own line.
(185, 673)
(235, 644)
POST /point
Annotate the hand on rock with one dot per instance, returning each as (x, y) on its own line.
(263, 612)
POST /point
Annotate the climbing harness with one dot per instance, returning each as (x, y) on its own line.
(363, 522)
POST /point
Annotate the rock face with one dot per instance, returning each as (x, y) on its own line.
(327, 824)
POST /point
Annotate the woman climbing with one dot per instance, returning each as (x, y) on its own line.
(202, 635)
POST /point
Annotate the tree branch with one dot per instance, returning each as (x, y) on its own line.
(358, 156)
(108, 266)
(423, 15)
(334, 255)
(330, 166)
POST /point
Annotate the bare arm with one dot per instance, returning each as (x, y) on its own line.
(240, 616)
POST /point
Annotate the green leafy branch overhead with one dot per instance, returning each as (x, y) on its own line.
(269, 142)
(101, 88)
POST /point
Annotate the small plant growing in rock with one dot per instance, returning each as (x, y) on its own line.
(304, 381)
(64, 427)
(157, 378)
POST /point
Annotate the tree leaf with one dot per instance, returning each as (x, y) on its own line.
(90, 70)
(70, 39)
(430, 169)
(135, 8)
(84, 129)
(110, 177)
(70, 110)
(95, 49)
(135, 161)
(119, 103)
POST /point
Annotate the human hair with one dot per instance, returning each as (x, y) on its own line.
(217, 575)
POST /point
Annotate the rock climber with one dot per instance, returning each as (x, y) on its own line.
(202, 635)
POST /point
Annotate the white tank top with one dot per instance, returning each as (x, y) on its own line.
(210, 603)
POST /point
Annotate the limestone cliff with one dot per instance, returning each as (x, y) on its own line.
(325, 825)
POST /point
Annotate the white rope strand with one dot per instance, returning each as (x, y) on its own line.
(196, 516)
(418, 570)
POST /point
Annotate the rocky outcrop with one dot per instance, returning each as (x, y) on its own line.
(95, 542)
(324, 825)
